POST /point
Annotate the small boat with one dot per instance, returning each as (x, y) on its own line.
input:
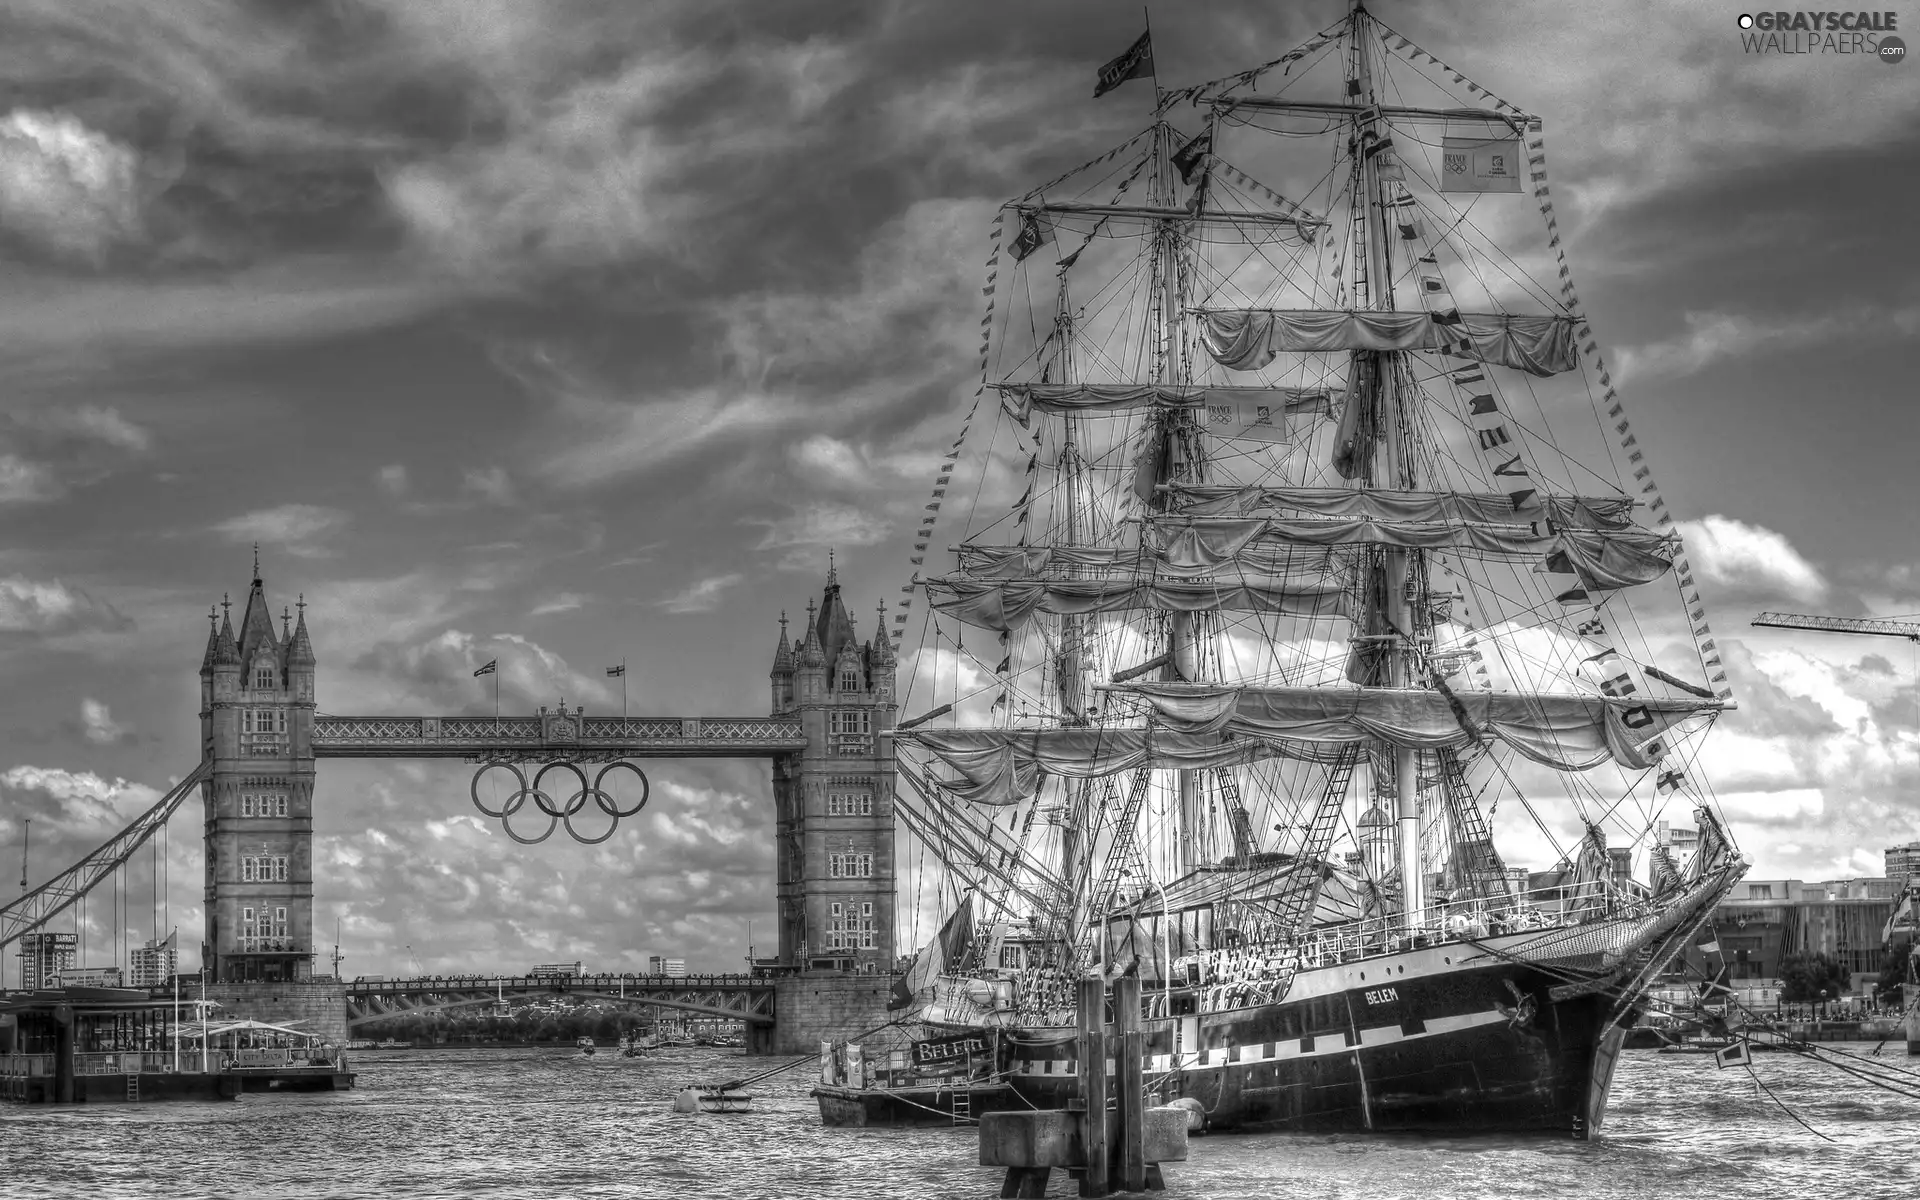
(720, 1100)
(713, 1098)
(586, 1045)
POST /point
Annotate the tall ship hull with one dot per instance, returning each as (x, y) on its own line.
(1505, 1034)
(1313, 575)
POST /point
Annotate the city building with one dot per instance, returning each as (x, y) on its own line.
(1762, 921)
(156, 962)
(1679, 840)
(1903, 862)
(43, 956)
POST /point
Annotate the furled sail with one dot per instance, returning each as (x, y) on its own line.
(1003, 604)
(1004, 766)
(1306, 564)
(1604, 559)
(1580, 512)
(1249, 339)
(1567, 732)
(1022, 400)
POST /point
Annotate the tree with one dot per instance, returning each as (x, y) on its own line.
(1804, 976)
(1895, 972)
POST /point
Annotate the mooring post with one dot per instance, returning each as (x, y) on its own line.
(1093, 1085)
(1130, 1046)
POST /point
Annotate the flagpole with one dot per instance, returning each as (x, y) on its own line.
(623, 690)
(1153, 70)
(496, 696)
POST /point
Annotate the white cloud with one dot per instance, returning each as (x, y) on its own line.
(1750, 559)
(489, 483)
(392, 479)
(96, 721)
(85, 803)
(69, 188)
(813, 527)
(1713, 336)
(701, 596)
(98, 424)
(297, 528)
(34, 606)
(24, 482)
(564, 602)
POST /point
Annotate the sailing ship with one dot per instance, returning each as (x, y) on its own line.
(1305, 549)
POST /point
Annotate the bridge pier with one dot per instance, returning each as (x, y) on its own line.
(812, 1008)
(318, 1008)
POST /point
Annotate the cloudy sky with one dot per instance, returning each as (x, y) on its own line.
(568, 331)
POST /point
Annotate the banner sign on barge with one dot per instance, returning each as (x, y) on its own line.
(948, 1050)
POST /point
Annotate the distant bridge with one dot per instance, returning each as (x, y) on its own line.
(730, 997)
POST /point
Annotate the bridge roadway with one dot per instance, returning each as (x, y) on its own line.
(554, 735)
(734, 997)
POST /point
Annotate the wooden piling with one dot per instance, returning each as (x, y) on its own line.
(1093, 1086)
(1129, 1082)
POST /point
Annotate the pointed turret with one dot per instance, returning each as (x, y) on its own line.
(834, 626)
(881, 650)
(813, 653)
(783, 653)
(300, 649)
(782, 673)
(256, 625)
(213, 642)
(226, 652)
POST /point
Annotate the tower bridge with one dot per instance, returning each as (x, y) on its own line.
(831, 707)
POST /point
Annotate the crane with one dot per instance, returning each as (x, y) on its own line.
(1774, 620)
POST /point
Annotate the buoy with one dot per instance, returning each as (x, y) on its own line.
(687, 1101)
(1196, 1113)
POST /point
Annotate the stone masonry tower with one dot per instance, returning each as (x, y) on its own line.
(256, 726)
(835, 869)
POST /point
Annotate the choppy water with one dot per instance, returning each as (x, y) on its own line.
(551, 1123)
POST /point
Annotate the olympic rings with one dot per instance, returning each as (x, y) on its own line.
(575, 803)
(582, 838)
(552, 822)
(605, 801)
(473, 790)
(555, 812)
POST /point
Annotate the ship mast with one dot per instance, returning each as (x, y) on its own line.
(1401, 574)
(1069, 663)
(1184, 633)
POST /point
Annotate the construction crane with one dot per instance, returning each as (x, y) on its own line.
(1902, 629)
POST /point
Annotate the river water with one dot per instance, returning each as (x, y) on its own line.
(553, 1123)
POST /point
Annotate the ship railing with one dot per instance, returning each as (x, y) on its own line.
(1559, 907)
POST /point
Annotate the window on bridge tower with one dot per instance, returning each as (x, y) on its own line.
(850, 678)
(851, 730)
(264, 676)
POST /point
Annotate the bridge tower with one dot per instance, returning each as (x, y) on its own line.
(834, 801)
(256, 726)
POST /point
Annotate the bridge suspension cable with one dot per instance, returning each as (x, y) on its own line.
(56, 895)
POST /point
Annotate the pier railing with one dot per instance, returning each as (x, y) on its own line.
(33, 1066)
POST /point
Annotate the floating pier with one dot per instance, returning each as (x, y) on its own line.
(118, 1045)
